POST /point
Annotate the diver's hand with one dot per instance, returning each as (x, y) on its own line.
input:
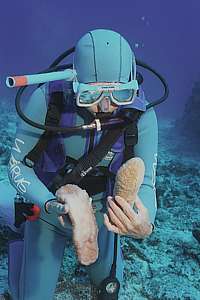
(124, 220)
(54, 207)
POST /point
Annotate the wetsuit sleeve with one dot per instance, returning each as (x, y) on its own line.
(23, 178)
(146, 149)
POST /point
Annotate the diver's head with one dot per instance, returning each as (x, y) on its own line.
(106, 71)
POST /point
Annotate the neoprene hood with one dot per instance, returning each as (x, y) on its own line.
(103, 55)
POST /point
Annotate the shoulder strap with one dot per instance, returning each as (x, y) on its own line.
(131, 137)
(53, 116)
(130, 140)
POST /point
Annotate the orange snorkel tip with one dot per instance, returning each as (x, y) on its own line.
(16, 81)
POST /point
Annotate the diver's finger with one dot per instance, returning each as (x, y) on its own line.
(115, 220)
(109, 226)
(62, 222)
(118, 211)
(58, 208)
(126, 207)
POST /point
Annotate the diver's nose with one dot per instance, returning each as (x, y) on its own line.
(104, 104)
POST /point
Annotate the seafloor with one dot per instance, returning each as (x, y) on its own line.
(166, 265)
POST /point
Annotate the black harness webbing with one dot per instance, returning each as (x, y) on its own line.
(87, 162)
(130, 140)
(53, 115)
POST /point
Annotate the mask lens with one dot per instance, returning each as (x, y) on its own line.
(89, 97)
(123, 95)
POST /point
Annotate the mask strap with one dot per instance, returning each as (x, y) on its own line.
(133, 71)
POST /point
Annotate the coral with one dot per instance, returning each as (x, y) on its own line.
(85, 230)
(129, 178)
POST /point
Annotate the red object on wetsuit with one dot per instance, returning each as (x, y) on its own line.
(36, 213)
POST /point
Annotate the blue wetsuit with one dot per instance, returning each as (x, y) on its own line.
(44, 239)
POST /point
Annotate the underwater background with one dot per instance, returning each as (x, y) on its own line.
(165, 35)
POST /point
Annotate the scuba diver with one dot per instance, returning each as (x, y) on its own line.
(104, 89)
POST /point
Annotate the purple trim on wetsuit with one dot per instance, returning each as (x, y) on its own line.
(15, 252)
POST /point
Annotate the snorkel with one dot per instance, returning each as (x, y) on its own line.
(25, 80)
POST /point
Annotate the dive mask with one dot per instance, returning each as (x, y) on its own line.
(119, 93)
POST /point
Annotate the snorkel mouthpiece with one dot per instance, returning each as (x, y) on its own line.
(17, 81)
